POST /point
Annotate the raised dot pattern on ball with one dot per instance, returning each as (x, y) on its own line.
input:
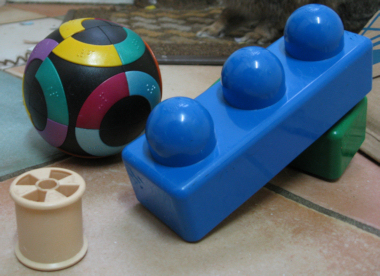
(104, 100)
(52, 92)
(151, 89)
(84, 52)
(136, 44)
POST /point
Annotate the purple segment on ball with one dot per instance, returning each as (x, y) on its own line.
(54, 133)
(42, 50)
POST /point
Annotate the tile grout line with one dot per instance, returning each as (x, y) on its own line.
(320, 209)
(19, 172)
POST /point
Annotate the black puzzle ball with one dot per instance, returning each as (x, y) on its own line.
(89, 87)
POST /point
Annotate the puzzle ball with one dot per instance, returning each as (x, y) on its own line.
(89, 87)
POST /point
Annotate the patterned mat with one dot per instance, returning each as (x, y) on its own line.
(171, 33)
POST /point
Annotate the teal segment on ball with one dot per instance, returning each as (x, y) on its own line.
(131, 48)
(89, 140)
(54, 93)
(143, 84)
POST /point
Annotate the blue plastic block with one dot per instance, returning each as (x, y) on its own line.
(201, 159)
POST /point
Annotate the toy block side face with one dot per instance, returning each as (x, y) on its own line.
(159, 202)
(329, 156)
(194, 212)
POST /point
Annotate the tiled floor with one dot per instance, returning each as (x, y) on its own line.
(22, 36)
(9, 14)
(297, 225)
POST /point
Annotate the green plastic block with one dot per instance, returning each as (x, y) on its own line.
(329, 156)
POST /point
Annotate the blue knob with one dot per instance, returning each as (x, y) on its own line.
(180, 132)
(253, 78)
(314, 32)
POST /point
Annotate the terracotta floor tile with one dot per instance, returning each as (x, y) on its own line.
(192, 80)
(268, 235)
(22, 37)
(50, 10)
(10, 14)
(356, 194)
(17, 71)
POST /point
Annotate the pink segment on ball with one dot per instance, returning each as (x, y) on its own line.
(54, 133)
(42, 50)
(101, 100)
